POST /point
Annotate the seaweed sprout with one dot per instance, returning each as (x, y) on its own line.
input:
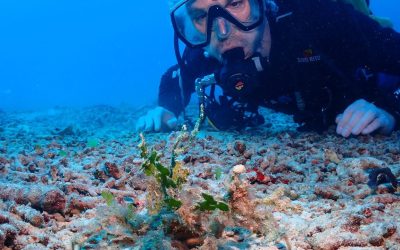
(92, 143)
(164, 176)
(62, 153)
(218, 173)
(210, 204)
(128, 212)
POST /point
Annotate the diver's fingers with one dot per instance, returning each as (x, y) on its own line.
(140, 124)
(171, 123)
(149, 123)
(157, 118)
(347, 116)
(356, 116)
(371, 127)
(365, 120)
(338, 119)
(169, 119)
(386, 121)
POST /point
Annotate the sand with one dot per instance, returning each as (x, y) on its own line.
(284, 189)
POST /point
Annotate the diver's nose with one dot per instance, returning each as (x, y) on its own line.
(222, 28)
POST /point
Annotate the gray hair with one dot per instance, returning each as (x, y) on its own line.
(271, 6)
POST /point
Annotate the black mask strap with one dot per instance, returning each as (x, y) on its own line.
(178, 56)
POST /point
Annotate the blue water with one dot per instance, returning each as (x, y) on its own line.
(86, 52)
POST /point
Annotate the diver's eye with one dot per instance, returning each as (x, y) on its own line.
(201, 17)
(236, 4)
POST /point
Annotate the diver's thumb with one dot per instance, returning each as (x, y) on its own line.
(171, 123)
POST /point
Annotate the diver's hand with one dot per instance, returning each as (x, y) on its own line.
(362, 117)
(157, 119)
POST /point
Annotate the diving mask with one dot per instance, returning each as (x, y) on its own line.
(194, 21)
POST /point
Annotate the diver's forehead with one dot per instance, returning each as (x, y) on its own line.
(205, 4)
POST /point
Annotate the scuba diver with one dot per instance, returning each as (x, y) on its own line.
(322, 61)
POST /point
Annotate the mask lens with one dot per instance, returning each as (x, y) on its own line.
(192, 19)
(185, 24)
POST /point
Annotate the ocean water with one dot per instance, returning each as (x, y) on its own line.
(80, 53)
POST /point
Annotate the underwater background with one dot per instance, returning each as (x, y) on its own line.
(81, 53)
(76, 75)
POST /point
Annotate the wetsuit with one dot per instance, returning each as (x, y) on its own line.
(324, 56)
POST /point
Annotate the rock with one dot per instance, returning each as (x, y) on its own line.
(35, 246)
(326, 192)
(363, 163)
(353, 222)
(248, 154)
(385, 198)
(333, 239)
(377, 232)
(239, 169)
(357, 171)
(269, 160)
(112, 169)
(24, 160)
(237, 234)
(376, 241)
(361, 191)
(67, 131)
(8, 233)
(240, 146)
(83, 203)
(204, 158)
(30, 215)
(193, 242)
(43, 197)
(330, 155)
(389, 229)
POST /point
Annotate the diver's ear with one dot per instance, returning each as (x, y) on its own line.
(206, 54)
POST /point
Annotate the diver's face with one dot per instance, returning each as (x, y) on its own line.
(225, 35)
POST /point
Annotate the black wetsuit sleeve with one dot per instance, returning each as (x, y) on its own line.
(170, 94)
(353, 40)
